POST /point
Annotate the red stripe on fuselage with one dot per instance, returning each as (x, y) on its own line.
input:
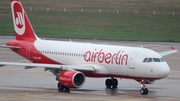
(118, 76)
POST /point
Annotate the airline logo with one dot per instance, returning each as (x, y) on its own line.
(119, 58)
(18, 17)
(65, 79)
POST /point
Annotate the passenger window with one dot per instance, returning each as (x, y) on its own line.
(145, 59)
(156, 60)
(149, 60)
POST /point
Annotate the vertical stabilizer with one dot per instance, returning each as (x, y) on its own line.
(22, 26)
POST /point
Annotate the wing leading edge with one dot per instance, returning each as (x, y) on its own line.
(82, 67)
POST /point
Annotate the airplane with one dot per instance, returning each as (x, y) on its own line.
(71, 62)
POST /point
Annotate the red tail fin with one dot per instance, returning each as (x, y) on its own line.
(22, 26)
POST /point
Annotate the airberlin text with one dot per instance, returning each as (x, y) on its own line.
(65, 79)
(119, 57)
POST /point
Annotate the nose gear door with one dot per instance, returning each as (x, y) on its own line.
(132, 60)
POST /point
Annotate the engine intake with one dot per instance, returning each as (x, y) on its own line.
(71, 79)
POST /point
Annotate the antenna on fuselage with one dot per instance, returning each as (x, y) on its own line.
(142, 46)
(70, 40)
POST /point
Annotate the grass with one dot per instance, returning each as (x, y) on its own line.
(105, 26)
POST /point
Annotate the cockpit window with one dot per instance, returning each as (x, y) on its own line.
(149, 60)
(145, 59)
(162, 59)
(153, 60)
(156, 60)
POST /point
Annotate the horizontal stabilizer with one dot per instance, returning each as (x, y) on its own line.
(5, 46)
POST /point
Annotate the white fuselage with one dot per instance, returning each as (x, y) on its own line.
(118, 61)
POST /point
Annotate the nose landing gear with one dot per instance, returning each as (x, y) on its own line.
(144, 90)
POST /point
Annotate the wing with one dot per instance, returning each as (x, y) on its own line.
(82, 67)
(164, 53)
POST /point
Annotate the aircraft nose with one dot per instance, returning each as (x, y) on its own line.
(165, 71)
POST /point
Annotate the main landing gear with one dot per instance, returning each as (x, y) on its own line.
(111, 83)
(144, 90)
(62, 88)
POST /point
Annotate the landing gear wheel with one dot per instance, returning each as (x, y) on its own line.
(144, 91)
(115, 83)
(60, 87)
(67, 89)
(108, 83)
(111, 83)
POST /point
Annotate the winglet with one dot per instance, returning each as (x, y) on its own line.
(173, 48)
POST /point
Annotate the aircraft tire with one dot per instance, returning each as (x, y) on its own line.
(115, 83)
(108, 83)
(60, 87)
(144, 91)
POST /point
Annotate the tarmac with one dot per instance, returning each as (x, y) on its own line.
(18, 84)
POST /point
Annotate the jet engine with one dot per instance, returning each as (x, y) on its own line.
(71, 79)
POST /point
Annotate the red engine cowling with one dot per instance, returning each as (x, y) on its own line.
(72, 79)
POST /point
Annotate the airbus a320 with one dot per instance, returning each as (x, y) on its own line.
(71, 65)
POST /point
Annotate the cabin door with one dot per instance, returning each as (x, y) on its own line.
(132, 60)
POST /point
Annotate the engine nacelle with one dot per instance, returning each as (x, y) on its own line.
(147, 81)
(72, 79)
